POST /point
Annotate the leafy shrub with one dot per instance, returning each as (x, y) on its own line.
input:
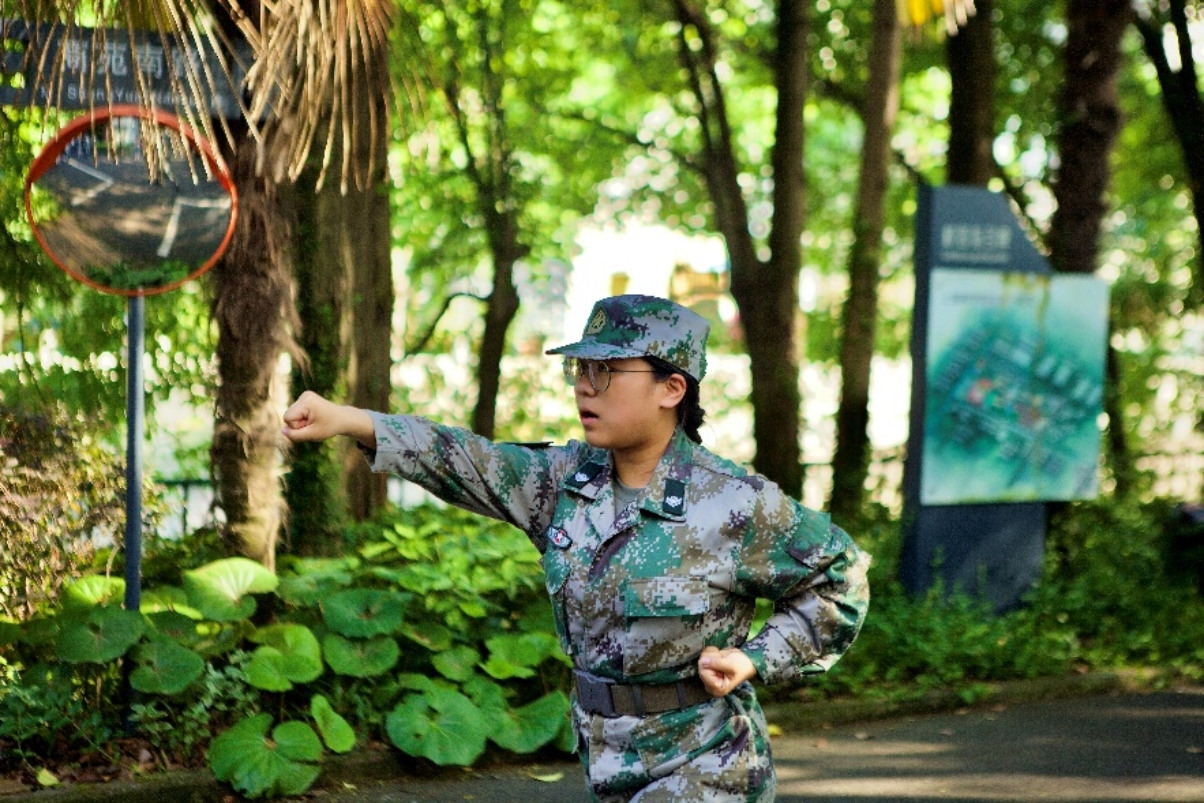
(61, 494)
(1105, 600)
(432, 626)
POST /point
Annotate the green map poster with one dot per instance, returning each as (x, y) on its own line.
(1014, 387)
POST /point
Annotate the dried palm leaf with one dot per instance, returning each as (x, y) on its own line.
(918, 13)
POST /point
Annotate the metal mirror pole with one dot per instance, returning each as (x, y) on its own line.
(135, 426)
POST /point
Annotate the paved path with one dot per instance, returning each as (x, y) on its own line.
(1121, 748)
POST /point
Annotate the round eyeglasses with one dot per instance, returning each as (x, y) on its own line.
(596, 371)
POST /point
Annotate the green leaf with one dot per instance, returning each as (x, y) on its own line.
(265, 670)
(93, 590)
(516, 655)
(364, 612)
(299, 647)
(336, 732)
(435, 637)
(297, 741)
(245, 758)
(312, 580)
(458, 663)
(165, 667)
(167, 598)
(440, 725)
(176, 626)
(526, 729)
(360, 658)
(220, 590)
(99, 636)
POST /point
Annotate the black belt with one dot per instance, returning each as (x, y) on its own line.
(609, 698)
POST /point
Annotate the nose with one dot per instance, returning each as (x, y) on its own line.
(583, 386)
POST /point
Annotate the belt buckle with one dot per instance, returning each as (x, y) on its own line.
(593, 695)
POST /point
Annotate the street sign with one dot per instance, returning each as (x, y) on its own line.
(71, 67)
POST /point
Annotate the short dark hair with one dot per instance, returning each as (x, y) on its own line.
(690, 414)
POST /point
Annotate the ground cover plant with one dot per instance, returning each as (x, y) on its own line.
(431, 635)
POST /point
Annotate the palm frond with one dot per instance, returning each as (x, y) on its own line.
(918, 13)
(312, 65)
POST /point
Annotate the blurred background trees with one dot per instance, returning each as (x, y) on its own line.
(425, 167)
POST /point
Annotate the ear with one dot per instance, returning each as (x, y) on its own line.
(673, 390)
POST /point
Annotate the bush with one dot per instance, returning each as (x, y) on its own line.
(1105, 600)
(60, 496)
(433, 633)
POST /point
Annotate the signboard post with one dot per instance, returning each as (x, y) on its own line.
(1007, 388)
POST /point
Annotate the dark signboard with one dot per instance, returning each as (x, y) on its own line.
(1007, 373)
(109, 67)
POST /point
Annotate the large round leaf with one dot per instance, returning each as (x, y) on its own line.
(288, 654)
(93, 590)
(435, 637)
(165, 667)
(221, 590)
(167, 598)
(526, 729)
(256, 766)
(98, 636)
(336, 732)
(515, 655)
(310, 581)
(458, 663)
(176, 626)
(440, 725)
(360, 658)
(364, 612)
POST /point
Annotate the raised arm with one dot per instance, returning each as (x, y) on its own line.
(314, 418)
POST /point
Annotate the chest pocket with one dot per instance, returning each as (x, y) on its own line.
(556, 567)
(664, 618)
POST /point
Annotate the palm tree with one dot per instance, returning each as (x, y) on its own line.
(312, 59)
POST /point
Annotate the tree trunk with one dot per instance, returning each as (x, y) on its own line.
(252, 306)
(346, 302)
(850, 462)
(365, 237)
(501, 308)
(1185, 107)
(315, 485)
(765, 291)
(1090, 120)
(971, 57)
(1090, 123)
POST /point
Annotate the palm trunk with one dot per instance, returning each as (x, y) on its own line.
(252, 306)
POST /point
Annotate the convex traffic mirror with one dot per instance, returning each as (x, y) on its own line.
(130, 201)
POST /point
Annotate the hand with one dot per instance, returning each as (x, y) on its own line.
(723, 670)
(313, 418)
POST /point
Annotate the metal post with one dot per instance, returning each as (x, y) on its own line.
(135, 425)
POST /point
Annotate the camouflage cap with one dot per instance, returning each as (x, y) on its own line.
(643, 326)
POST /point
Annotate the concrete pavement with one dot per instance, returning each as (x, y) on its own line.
(1032, 741)
(1117, 748)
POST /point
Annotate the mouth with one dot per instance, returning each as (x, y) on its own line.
(587, 416)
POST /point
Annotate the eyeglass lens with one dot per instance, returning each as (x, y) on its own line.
(598, 373)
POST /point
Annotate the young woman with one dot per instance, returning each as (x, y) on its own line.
(654, 552)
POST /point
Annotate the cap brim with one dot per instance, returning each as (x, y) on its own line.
(593, 350)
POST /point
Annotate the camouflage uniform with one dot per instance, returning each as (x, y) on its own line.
(638, 593)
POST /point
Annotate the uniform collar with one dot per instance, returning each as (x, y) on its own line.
(665, 495)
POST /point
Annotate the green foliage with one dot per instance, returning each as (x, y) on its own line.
(330, 665)
(62, 497)
(1105, 601)
(258, 766)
